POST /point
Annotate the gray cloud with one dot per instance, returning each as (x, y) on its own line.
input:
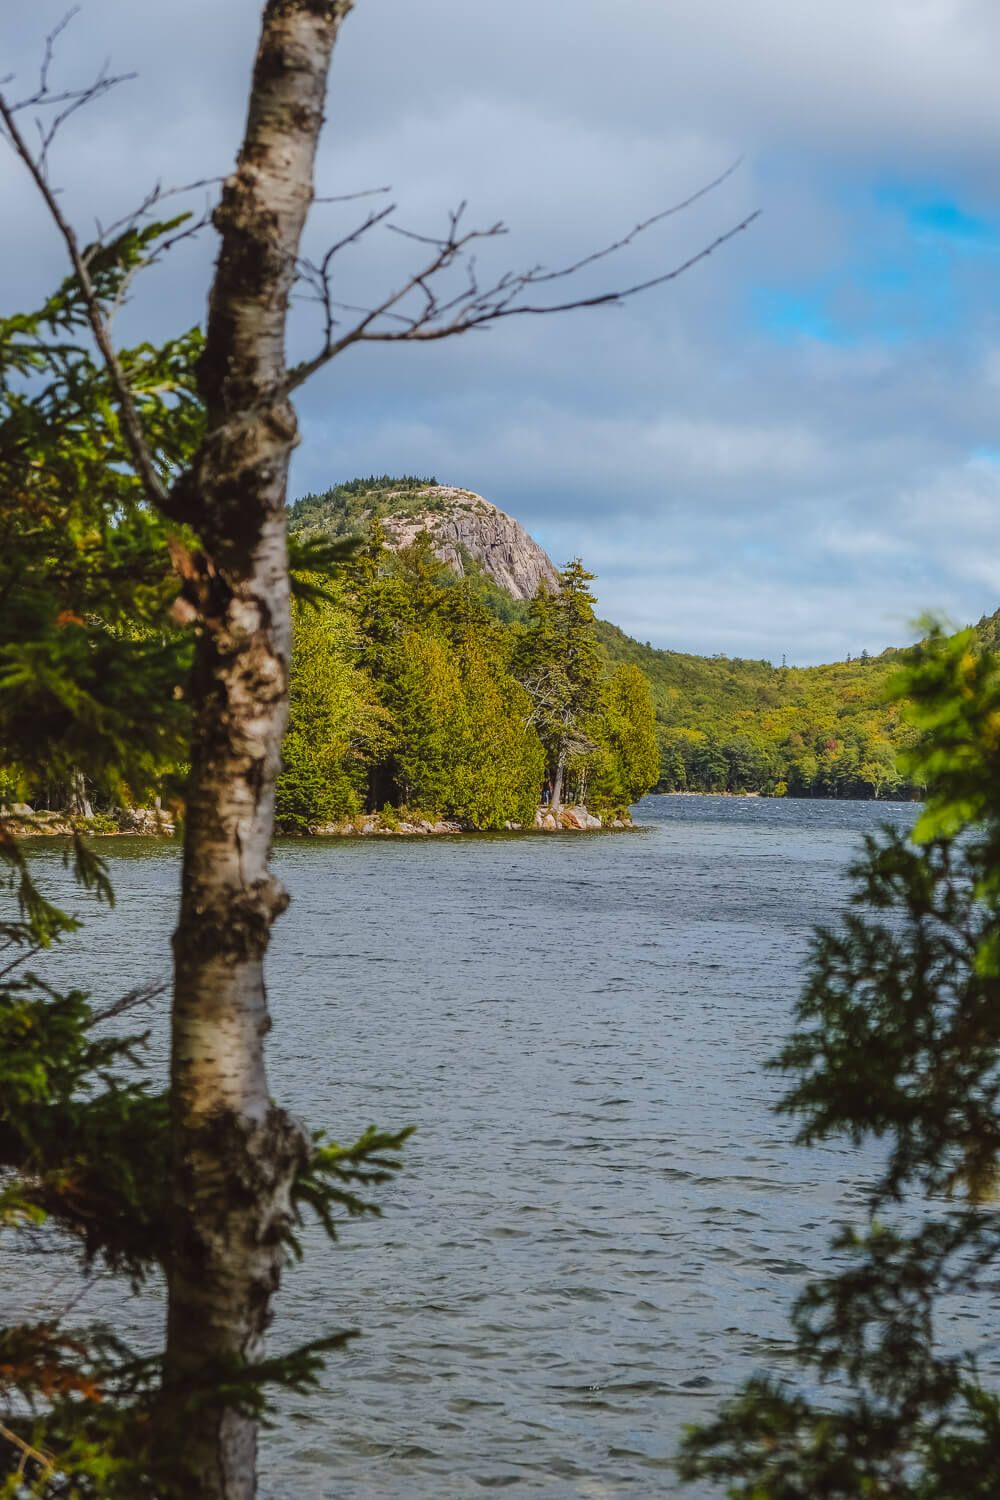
(737, 490)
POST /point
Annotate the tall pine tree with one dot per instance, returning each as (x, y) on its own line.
(560, 663)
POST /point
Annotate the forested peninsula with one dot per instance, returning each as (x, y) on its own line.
(447, 675)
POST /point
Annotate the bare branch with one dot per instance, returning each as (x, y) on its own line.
(49, 52)
(72, 99)
(353, 197)
(187, 229)
(20, 959)
(417, 312)
(425, 307)
(143, 994)
(639, 229)
(37, 165)
(153, 199)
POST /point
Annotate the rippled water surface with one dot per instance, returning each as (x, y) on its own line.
(600, 1224)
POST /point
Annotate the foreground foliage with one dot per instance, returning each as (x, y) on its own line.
(898, 1040)
(93, 668)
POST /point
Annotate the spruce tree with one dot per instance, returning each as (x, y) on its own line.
(561, 665)
(337, 728)
(501, 768)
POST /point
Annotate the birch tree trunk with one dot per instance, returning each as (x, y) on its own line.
(557, 781)
(80, 804)
(235, 1154)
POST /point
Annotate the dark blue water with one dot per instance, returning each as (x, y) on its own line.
(601, 1223)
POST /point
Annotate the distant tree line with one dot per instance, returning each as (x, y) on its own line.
(801, 764)
(344, 509)
(725, 724)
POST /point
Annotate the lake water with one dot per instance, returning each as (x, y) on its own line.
(601, 1224)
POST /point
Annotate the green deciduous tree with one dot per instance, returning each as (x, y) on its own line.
(828, 731)
(336, 725)
(628, 759)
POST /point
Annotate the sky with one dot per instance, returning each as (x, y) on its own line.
(791, 450)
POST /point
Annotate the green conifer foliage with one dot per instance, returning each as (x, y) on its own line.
(627, 762)
(501, 770)
(336, 725)
(560, 662)
(898, 1040)
(91, 673)
(85, 576)
(431, 721)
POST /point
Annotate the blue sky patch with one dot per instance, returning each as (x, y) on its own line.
(908, 277)
(788, 316)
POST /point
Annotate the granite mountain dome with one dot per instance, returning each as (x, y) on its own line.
(464, 526)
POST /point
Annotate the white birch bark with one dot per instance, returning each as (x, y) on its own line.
(235, 1153)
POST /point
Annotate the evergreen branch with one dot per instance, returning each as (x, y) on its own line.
(323, 1183)
(132, 429)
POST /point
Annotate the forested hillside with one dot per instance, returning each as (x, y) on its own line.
(726, 724)
(431, 672)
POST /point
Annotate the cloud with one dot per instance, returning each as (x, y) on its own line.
(788, 450)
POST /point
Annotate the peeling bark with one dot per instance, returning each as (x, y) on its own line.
(235, 1154)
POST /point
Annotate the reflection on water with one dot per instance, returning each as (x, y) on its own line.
(601, 1224)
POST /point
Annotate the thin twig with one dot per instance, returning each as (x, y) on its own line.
(20, 959)
(474, 307)
(143, 994)
(26, 1450)
(352, 197)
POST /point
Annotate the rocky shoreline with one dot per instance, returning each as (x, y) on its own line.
(150, 823)
(24, 823)
(567, 820)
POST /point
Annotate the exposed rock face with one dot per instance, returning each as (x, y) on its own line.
(578, 817)
(463, 524)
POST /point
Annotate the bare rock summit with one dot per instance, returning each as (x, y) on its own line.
(465, 528)
(464, 525)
